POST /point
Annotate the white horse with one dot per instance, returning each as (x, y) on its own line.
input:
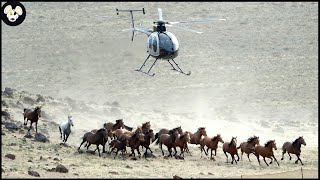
(65, 128)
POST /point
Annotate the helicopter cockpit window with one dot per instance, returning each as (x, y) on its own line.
(165, 42)
(150, 43)
(154, 43)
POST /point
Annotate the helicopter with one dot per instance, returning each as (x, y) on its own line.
(161, 44)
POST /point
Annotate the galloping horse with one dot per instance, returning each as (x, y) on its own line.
(294, 148)
(33, 116)
(149, 137)
(135, 141)
(65, 128)
(266, 151)
(166, 131)
(248, 147)
(119, 124)
(169, 140)
(196, 137)
(211, 143)
(182, 142)
(99, 138)
(231, 148)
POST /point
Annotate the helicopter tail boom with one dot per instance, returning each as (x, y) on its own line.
(132, 20)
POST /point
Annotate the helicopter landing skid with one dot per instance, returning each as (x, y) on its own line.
(180, 71)
(150, 67)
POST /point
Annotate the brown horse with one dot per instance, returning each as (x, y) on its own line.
(294, 148)
(149, 137)
(196, 137)
(135, 141)
(119, 132)
(33, 116)
(99, 138)
(231, 148)
(182, 142)
(211, 143)
(248, 147)
(266, 151)
(119, 124)
(94, 131)
(120, 145)
(166, 131)
(169, 140)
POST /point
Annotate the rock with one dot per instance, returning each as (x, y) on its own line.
(40, 137)
(209, 173)
(8, 92)
(2, 133)
(134, 158)
(6, 115)
(2, 170)
(11, 126)
(201, 173)
(10, 156)
(13, 144)
(76, 174)
(61, 169)
(179, 157)
(113, 172)
(150, 155)
(29, 100)
(127, 166)
(56, 159)
(33, 173)
(4, 104)
(21, 131)
(177, 177)
(28, 135)
(29, 160)
(40, 98)
(52, 170)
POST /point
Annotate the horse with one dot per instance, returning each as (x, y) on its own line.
(231, 148)
(135, 140)
(33, 116)
(169, 140)
(94, 131)
(266, 151)
(148, 138)
(196, 137)
(211, 143)
(182, 142)
(119, 124)
(99, 138)
(248, 147)
(294, 148)
(120, 145)
(65, 128)
(166, 131)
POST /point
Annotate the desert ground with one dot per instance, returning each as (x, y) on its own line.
(256, 73)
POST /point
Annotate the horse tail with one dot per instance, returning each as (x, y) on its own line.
(239, 147)
(25, 109)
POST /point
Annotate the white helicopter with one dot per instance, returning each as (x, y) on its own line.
(161, 44)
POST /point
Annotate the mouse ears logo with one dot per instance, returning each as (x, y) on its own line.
(13, 13)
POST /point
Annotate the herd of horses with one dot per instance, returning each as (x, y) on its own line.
(122, 136)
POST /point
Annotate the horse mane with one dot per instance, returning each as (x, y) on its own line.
(250, 139)
(267, 143)
(214, 138)
(296, 141)
(200, 128)
(117, 122)
(102, 129)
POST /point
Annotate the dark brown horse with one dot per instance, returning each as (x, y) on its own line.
(231, 148)
(120, 145)
(182, 142)
(248, 147)
(169, 140)
(99, 138)
(149, 137)
(266, 151)
(196, 137)
(293, 148)
(135, 140)
(146, 127)
(119, 124)
(166, 131)
(211, 143)
(33, 116)
(94, 131)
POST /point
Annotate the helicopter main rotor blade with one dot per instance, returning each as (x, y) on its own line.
(160, 14)
(187, 29)
(196, 21)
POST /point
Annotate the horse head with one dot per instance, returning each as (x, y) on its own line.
(150, 133)
(219, 138)
(274, 145)
(146, 125)
(120, 123)
(302, 141)
(233, 141)
(202, 131)
(70, 120)
(38, 110)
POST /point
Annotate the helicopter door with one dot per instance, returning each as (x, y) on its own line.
(153, 44)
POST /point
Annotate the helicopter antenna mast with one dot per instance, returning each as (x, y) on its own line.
(132, 20)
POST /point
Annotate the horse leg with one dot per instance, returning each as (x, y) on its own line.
(242, 155)
(81, 144)
(298, 159)
(215, 152)
(233, 159)
(265, 161)
(169, 149)
(175, 150)
(30, 126)
(161, 149)
(139, 152)
(226, 155)
(36, 127)
(257, 155)
(275, 159)
(211, 155)
(98, 150)
(116, 154)
(283, 152)
(238, 156)
(247, 155)
(271, 160)
(60, 132)
(289, 156)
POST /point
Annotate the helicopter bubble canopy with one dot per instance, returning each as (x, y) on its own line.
(163, 45)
